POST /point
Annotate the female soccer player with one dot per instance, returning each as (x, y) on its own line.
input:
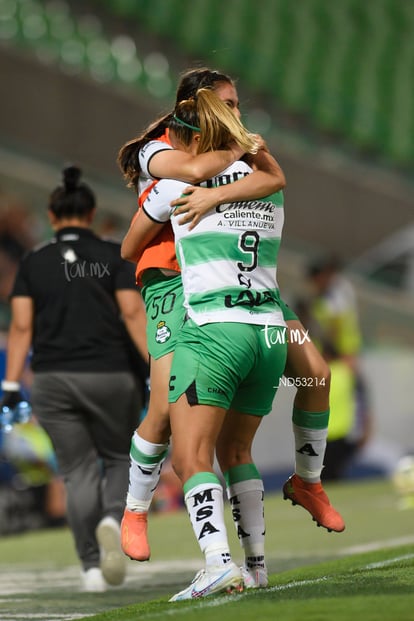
(143, 161)
(162, 291)
(231, 351)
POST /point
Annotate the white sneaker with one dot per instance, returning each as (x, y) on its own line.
(255, 578)
(212, 580)
(113, 560)
(92, 581)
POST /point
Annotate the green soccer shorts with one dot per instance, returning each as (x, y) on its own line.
(229, 365)
(164, 305)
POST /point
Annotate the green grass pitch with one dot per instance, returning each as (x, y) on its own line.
(363, 574)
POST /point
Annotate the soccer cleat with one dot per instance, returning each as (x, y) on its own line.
(255, 577)
(92, 581)
(212, 580)
(134, 539)
(311, 496)
(113, 561)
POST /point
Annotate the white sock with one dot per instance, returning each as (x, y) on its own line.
(310, 446)
(204, 502)
(247, 503)
(146, 459)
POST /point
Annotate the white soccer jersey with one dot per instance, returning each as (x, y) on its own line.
(229, 260)
(145, 155)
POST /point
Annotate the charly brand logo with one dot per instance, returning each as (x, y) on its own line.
(82, 269)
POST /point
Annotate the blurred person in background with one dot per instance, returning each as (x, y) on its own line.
(110, 226)
(75, 302)
(330, 312)
(16, 237)
(10, 254)
(30, 491)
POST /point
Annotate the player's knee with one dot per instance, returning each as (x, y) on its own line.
(320, 373)
(324, 374)
(183, 468)
(233, 455)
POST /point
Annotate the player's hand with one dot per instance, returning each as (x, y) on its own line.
(194, 204)
(14, 407)
(11, 398)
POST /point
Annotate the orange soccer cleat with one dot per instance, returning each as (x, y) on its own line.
(311, 496)
(134, 540)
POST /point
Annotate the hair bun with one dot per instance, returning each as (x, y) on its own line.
(71, 176)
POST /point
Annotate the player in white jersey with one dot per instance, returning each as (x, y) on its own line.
(162, 291)
(230, 353)
(163, 294)
(229, 261)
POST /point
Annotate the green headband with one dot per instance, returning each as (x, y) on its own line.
(195, 129)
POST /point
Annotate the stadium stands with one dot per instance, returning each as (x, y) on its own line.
(78, 44)
(345, 67)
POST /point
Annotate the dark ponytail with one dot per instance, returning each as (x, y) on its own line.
(191, 80)
(127, 159)
(73, 199)
(201, 77)
(71, 177)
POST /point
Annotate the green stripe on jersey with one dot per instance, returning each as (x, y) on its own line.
(278, 198)
(218, 246)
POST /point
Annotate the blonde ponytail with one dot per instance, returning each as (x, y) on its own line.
(219, 126)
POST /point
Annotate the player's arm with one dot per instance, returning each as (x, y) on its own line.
(176, 164)
(266, 179)
(20, 337)
(149, 220)
(141, 232)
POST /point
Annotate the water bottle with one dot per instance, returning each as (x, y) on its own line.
(21, 413)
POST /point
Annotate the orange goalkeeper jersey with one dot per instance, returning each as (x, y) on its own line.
(160, 252)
